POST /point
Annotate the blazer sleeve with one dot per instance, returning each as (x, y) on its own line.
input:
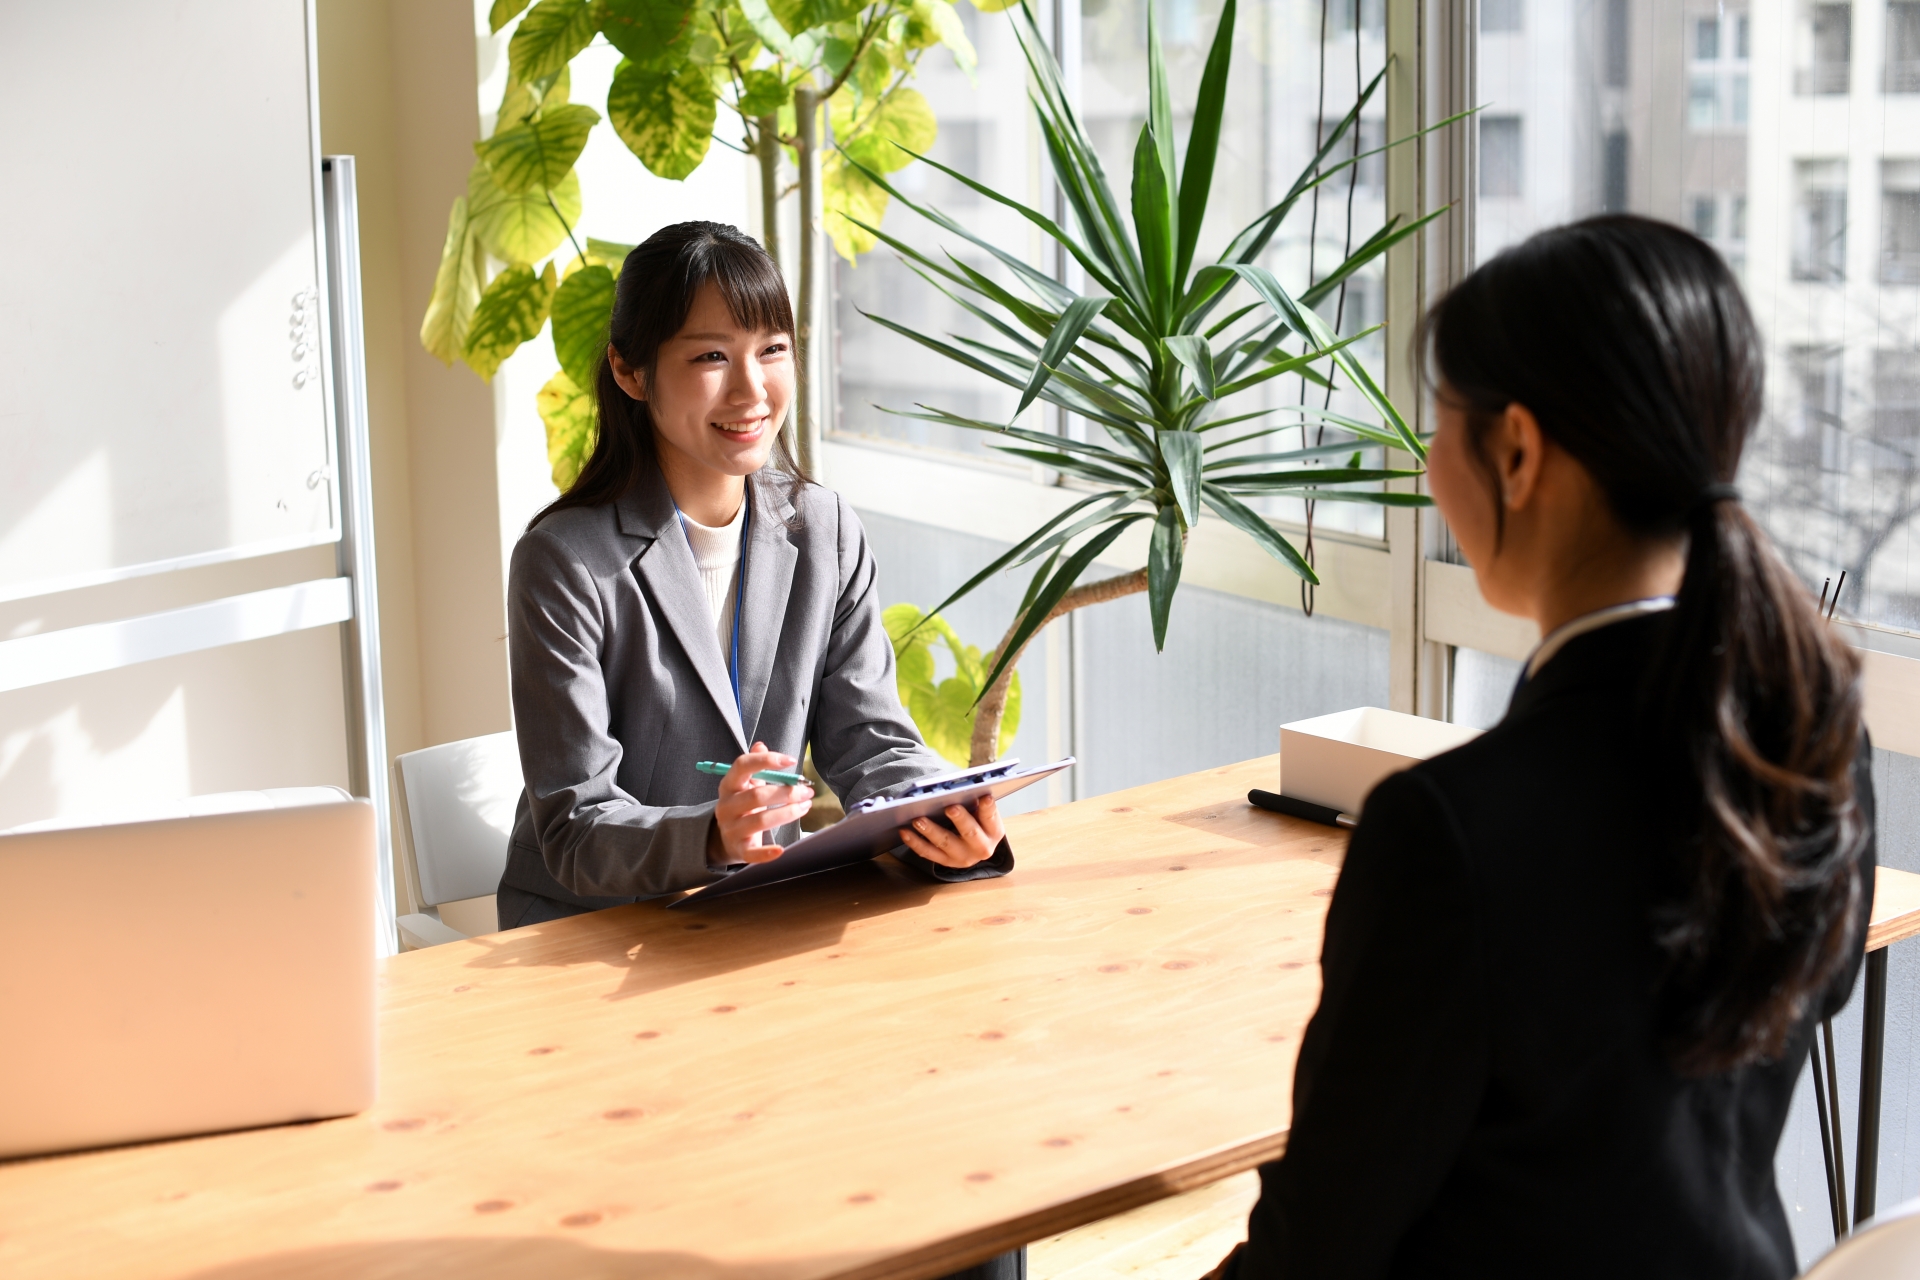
(595, 838)
(1393, 1064)
(864, 744)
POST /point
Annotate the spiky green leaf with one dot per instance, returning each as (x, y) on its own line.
(1080, 313)
(1254, 525)
(1165, 551)
(1182, 451)
(1193, 351)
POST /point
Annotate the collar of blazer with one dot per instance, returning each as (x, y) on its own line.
(665, 565)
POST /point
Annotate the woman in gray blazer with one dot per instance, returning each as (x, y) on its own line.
(684, 601)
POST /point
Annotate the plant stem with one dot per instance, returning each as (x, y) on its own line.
(986, 725)
(806, 108)
(766, 146)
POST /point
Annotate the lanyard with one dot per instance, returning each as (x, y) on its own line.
(739, 595)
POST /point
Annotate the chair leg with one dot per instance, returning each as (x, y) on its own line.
(1826, 1140)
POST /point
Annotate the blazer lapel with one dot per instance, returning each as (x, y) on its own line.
(667, 569)
(771, 555)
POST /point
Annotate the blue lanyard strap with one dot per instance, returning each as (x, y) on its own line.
(739, 598)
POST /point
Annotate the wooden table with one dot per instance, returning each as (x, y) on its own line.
(857, 1076)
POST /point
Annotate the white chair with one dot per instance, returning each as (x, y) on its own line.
(1885, 1247)
(456, 804)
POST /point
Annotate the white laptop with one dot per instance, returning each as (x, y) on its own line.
(187, 974)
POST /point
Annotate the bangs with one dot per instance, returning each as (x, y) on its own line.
(755, 293)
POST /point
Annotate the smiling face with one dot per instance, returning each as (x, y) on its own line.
(717, 397)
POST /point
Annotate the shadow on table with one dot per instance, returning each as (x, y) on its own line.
(498, 1256)
(659, 948)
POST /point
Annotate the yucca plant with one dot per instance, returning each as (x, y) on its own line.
(1147, 360)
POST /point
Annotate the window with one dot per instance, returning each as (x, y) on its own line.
(1501, 15)
(1832, 472)
(1618, 54)
(1900, 221)
(1896, 402)
(1706, 221)
(1902, 71)
(1706, 39)
(1373, 15)
(1820, 220)
(1500, 157)
(1826, 50)
(1371, 176)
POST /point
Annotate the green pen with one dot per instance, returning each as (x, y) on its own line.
(778, 777)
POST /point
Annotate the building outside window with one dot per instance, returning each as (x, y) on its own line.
(1826, 40)
(1896, 403)
(1901, 72)
(1784, 191)
(1502, 160)
(1820, 220)
(1900, 222)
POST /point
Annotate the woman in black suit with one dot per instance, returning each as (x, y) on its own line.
(1572, 969)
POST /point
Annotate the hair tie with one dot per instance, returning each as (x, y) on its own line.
(1712, 496)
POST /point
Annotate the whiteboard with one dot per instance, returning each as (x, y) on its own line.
(162, 336)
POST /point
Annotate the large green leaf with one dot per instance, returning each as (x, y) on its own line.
(852, 204)
(456, 289)
(511, 311)
(653, 34)
(524, 101)
(572, 424)
(608, 253)
(798, 16)
(1183, 451)
(665, 118)
(525, 227)
(885, 134)
(1203, 141)
(581, 310)
(503, 12)
(1073, 322)
(537, 155)
(943, 710)
(548, 38)
(1164, 553)
(763, 92)
(759, 16)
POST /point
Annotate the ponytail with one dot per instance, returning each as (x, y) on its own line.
(1766, 701)
(1631, 344)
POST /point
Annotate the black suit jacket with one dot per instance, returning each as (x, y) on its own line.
(1480, 1092)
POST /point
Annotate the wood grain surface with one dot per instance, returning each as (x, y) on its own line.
(1896, 908)
(856, 1075)
(860, 1075)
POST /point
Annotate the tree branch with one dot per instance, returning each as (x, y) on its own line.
(993, 705)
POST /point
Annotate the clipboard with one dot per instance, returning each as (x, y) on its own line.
(872, 827)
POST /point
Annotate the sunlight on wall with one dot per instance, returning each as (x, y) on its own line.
(69, 531)
(84, 775)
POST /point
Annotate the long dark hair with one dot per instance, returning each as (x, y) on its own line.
(1631, 344)
(657, 286)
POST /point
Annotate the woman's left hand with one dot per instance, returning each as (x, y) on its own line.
(973, 839)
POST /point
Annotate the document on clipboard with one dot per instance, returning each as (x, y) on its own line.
(872, 827)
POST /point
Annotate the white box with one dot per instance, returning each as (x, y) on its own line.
(1335, 760)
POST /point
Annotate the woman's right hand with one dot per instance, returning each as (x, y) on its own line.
(747, 808)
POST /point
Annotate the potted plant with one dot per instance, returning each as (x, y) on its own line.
(1147, 357)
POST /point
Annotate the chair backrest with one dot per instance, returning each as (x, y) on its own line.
(1885, 1248)
(459, 799)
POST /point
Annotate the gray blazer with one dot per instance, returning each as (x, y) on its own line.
(619, 686)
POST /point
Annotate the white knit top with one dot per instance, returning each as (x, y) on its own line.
(717, 554)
